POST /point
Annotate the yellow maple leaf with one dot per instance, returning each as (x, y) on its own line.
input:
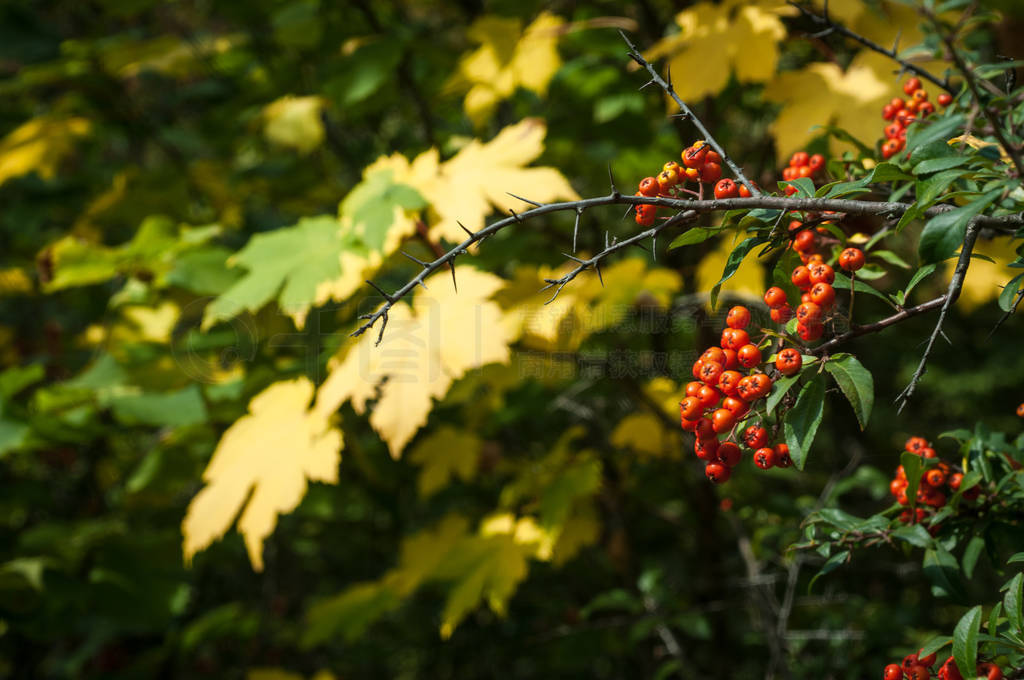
(294, 122)
(39, 144)
(508, 58)
(263, 462)
(717, 40)
(476, 181)
(424, 349)
(445, 454)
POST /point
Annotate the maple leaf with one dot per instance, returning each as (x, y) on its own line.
(294, 123)
(39, 144)
(508, 58)
(426, 347)
(445, 454)
(715, 41)
(263, 462)
(479, 178)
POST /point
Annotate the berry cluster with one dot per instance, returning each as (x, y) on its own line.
(801, 164)
(816, 300)
(916, 667)
(901, 113)
(728, 381)
(934, 487)
(701, 165)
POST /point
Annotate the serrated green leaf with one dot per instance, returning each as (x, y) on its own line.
(918, 276)
(856, 383)
(934, 645)
(886, 172)
(1009, 292)
(944, 233)
(802, 421)
(921, 133)
(965, 642)
(914, 534)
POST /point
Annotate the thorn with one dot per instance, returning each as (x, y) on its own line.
(415, 259)
(628, 210)
(518, 219)
(683, 115)
(451, 265)
(641, 246)
(606, 240)
(471, 234)
(896, 42)
(945, 337)
(576, 228)
(366, 316)
(611, 180)
(654, 247)
(380, 290)
(649, 82)
(597, 268)
(525, 200)
(575, 259)
(668, 78)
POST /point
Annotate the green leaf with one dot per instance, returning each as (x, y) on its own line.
(1012, 602)
(936, 164)
(171, 409)
(934, 645)
(944, 233)
(363, 73)
(802, 421)
(349, 613)
(804, 187)
(965, 642)
(693, 236)
(204, 271)
(918, 276)
(943, 572)
(17, 378)
(840, 189)
(844, 136)
(371, 205)
(971, 554)
(842, 282)
(922, 133)
(856, 383)
(886, 172)
(289, 264)
(914, 534)
(779, 389)
(928, 190)
(1009, 292)
(732, 264)
(891, 258)
(912, 466)
(1016, 557)
(830, 565)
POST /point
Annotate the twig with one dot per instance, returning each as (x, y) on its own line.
(833, 27)
(952, 293)
(688, 113)
(1004, 317)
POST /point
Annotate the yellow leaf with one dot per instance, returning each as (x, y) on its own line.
(271, 674)
(424, 349)
(39, 144)
(294, 122)
(643, 433)
(715, 40)
(985, 280)
(747, 281)
(978, 143)
(14, 281)
(508, 58)
(263, 462)
(445, 454)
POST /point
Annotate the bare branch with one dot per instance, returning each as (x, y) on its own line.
(708, 137)
(833, 27)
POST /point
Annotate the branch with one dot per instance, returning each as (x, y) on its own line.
(850, 207)
(687, 112)
(833, 27)
(989, 114)
(952, 293)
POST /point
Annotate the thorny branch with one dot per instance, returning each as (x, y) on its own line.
(952, 293)
(667, 86)
(830, 26)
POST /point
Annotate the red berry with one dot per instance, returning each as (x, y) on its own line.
(799, 158)
(708, 397)
(710, 372)
(781, 314)
(706, 449)
(690, 408)
(737, 406)
(738, 317)
(821, 273)
(734, 338)
(801, 278)
(851, 259)
(775, 297)
(728, 382)
(667, 179)
(645, 214)
(729, 453)
(713, 354)
(782, 458)
(817, 163)
(764, 458)
(649, 186)
(745, 192)
(808, 313)
(716, 472)
(710, 172)
(810, 333)
(823, 294)
(892, 672)
(748, 355)
(789, 361)
(722, 420)
(694, 156)
(755, 437)
(726, 188)
(944, 99)
(805, 241)
(911, 85)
